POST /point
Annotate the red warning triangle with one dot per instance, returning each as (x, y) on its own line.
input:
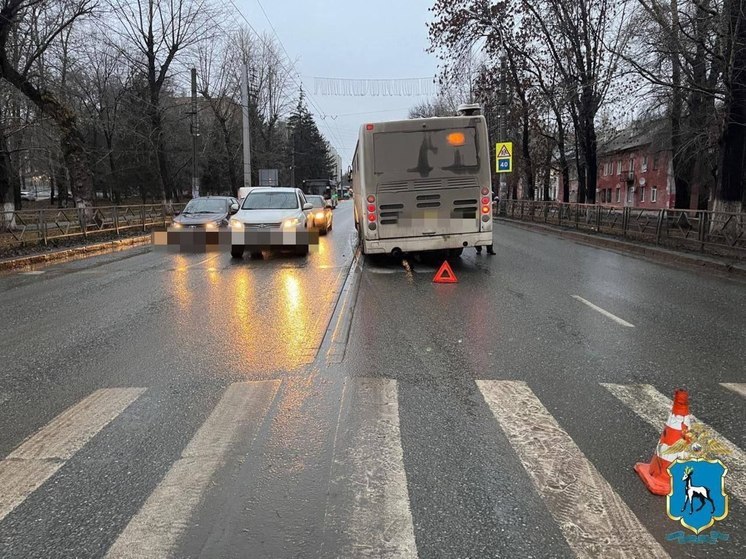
(445, 274)
(504, 152)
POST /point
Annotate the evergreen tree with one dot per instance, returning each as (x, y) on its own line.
(307, 147)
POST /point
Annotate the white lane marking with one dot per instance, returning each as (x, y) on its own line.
(370, 476)
(41, 455)
(737, 387)
(154, 531)
(654, 407)
(604, 312)
(594, 520)
(33, 273)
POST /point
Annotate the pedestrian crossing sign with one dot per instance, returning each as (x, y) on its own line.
(504, 157)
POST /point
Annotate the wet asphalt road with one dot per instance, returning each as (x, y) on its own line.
(389, 447)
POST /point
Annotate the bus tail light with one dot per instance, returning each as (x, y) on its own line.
(485, 191)
(371, 208)
(371, 217)
(485, 201)
(485, 209)
(371, 199)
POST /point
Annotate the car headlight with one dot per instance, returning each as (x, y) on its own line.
(235, 224)
(319, 215)
(176, 225)
(213, 225)
(290, 223)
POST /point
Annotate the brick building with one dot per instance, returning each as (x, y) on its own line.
(635, 169)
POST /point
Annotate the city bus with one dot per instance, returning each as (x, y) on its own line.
(423, 185)
(320, 187)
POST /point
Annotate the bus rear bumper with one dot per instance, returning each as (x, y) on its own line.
(423, 244)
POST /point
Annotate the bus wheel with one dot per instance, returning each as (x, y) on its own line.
(455, 252)
(237, 251)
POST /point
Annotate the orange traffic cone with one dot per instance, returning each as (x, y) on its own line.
(655, 475)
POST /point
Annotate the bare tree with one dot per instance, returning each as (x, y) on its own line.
(38, 24)
(158, 30)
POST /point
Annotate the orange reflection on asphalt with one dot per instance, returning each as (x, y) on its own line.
(240, 300)
(296, 323)
(180, 282)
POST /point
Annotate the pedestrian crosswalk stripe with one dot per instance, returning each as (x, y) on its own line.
(371, 477)
(737, 387)
(594, 520)
(40, 456)
(156, 528)
(654, 407)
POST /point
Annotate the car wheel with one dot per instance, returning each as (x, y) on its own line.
(237, 251)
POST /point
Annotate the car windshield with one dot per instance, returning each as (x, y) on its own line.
(317, 201)
(271, 201)
(205, 206)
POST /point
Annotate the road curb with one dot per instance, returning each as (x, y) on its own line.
(81, 251)
(667, 256)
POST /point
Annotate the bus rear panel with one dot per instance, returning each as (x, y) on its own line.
(422, 185)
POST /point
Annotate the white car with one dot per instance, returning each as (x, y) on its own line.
(271, 217)
(28, 195)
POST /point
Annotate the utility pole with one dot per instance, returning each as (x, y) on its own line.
(501, 131)
(246, 129)
(292, 168)
(195, 135)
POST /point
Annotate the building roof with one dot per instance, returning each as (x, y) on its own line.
(655, 132)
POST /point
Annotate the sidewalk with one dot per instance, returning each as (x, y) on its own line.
(723, 265)
(26, 261)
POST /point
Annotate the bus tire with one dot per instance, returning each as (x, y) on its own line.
(237, 251)
(301, 250)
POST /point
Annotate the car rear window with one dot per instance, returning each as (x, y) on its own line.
(317, 201)
(271, 201)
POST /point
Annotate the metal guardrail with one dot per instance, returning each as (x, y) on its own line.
(707, 231)
(27, 227)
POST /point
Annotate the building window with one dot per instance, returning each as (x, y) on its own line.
(631, 164)
(630, 192)
(642, 194)
(619, 167)
(618, 194)
(644, 163)
(655, 162)
(654, 194)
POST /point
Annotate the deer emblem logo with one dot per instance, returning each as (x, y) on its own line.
(697, 496)
(695, 492)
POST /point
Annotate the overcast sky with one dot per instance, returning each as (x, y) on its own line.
(373, 39)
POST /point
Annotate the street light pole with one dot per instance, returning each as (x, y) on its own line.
(246, 129)
(195, 135)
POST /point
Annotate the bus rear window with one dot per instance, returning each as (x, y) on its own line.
(425, 151)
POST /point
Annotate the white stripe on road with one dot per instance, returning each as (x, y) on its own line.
(40, 456)
(371, 478)
(737, 387)
(654, 407)
(604, 312)
(594, 520)
(154, 531)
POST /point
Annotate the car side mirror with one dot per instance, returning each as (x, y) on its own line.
(234, 208)
(307, 206)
